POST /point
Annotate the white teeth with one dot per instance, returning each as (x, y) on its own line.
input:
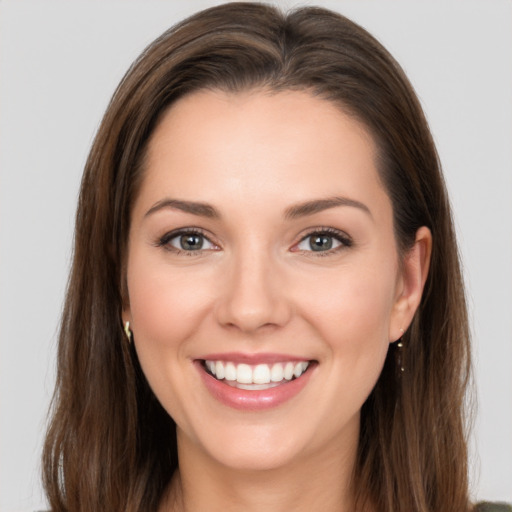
(219, 370)
(230, 371)
(277, 373)
(299, 369)
(288, 371)
(243, 374)
(261, 376)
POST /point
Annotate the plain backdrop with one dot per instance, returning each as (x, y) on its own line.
(59, 64)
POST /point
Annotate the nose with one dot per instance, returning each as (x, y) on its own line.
(253, 295)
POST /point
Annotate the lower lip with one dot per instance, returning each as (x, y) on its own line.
(256, 400)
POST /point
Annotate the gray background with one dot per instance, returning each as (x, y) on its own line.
(59, 64)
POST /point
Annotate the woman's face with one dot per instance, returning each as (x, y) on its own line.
(261, 249)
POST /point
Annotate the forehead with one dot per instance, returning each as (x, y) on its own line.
(258, 145)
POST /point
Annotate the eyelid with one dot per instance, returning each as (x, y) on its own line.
(343, 238)
(164, 240)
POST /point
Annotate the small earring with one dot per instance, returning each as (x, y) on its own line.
(128, 331)
(400, 347)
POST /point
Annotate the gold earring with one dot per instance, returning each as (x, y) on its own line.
(128, 331)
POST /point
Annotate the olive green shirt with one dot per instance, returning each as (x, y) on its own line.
(493, 507)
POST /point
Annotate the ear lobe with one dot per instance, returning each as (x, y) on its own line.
(414, 272)
(126, 315)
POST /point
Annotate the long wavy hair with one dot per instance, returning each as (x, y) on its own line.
(110, 446)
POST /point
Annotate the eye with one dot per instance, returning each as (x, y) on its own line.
(324, 241)
(186, 241)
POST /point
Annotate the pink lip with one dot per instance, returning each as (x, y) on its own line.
(253, 359)
(248, 400)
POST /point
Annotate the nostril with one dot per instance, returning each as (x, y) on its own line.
(252, 296)
(262, 316)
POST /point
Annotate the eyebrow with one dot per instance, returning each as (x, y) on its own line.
(319, 205)
(293, 212)
(200, 209)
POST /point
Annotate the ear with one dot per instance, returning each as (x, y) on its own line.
(410, 283)
(126, 315)
(126, 318)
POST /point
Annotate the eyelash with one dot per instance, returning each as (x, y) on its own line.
(164, 241)
(341, 237)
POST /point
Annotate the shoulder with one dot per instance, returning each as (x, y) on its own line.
(486, 506)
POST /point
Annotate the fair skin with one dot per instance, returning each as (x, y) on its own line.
(289, 259)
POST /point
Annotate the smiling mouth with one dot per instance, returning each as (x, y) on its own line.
(255, 377)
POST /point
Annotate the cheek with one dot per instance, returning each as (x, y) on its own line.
(165, 304)
(352, 316)
(356, 302)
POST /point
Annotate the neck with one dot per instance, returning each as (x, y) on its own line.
(317, 481)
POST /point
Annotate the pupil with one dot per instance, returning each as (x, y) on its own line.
(191, 242)
(321, 243)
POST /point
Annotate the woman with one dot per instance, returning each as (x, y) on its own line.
(265, 307)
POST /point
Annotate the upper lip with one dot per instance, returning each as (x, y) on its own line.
(253, 358)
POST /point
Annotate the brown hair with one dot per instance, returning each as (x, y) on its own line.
(110, 445)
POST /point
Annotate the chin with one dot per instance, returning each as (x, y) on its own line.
(249, 458)
(252, 448)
